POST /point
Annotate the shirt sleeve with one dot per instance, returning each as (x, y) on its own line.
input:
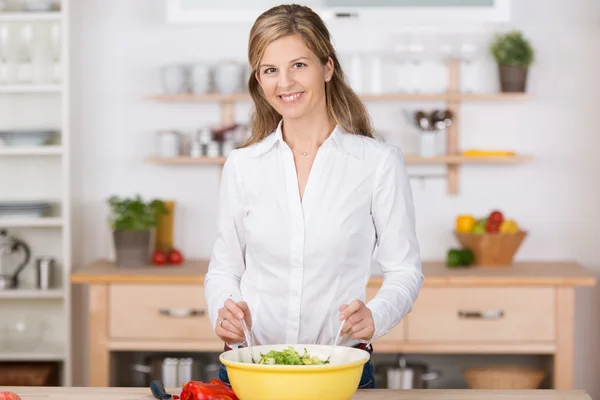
(227, 263)
(397, 250)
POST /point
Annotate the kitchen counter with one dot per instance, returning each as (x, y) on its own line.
(525, 308)
(76, 393)
(551, 273)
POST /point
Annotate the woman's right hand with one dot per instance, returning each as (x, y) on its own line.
(229, 324)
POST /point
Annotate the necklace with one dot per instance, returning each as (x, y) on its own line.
(304, 153)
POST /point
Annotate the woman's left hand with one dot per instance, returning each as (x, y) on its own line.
(359, 321)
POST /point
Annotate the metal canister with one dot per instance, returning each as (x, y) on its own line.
(44, 272)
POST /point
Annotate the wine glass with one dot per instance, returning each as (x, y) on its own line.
(4, 38)
(25, 56)
(55, 46)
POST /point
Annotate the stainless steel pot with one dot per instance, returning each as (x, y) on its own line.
(404, 375)
(173, 371)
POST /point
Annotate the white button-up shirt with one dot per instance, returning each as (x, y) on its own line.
(295, 262)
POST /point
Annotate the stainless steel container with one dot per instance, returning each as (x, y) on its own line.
(404, 375)
(44, 272)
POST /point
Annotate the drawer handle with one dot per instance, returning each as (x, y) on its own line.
(182, 312)
(494, 314)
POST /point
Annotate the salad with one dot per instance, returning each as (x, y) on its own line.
(290, 356)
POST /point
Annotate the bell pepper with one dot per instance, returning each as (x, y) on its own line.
(457, 258)
(213, 390)
(465, 223)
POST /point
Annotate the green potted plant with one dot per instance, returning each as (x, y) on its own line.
(133, 222)
(513, 54)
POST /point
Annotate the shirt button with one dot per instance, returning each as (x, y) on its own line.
(297, 261)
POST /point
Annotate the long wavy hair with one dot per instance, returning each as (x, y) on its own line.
(344, 106)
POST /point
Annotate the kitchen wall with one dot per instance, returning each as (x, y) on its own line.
(118, 47)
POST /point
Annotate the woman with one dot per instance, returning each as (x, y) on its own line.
(306, 203)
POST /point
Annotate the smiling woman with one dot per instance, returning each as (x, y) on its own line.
(307, 204)
(296, 73)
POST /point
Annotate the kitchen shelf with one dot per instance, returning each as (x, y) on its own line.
(32, 294)
(453, 99)
(31, 151)
(239, 97)
(44, 352)
(408, 159)
(56, 224)
(459, 159)
(31, 88)
(30, 16)
(33, 222)
(187, 160)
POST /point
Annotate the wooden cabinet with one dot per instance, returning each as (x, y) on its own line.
(166, 312)
(527, 308)
(469, 315)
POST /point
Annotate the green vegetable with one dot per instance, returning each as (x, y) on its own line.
(289, 356)
(459, 258)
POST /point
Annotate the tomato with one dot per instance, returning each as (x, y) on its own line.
(496, 216)
(159, 258)
(492, 226)
(9, 396)
(175, 257)
(214, 390)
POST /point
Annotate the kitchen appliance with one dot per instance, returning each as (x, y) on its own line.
(405, 375)
(10, 247)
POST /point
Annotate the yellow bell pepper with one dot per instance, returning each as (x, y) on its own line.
(509, 226)
(465, 223)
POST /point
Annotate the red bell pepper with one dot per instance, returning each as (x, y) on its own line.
(213, 390)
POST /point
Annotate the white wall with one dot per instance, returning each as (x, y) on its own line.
(118, 47)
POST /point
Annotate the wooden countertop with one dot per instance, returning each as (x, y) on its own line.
(80, 393)
(542, 273)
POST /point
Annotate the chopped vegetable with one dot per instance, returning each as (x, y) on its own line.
(213, 390)
(290, 356)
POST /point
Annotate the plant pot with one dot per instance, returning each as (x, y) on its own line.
(132, 248)
(513, 78)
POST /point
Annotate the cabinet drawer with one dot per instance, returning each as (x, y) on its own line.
(483, 315)
(397, 333)
(176, 312)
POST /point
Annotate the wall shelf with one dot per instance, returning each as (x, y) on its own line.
(42, 222)
(32, 88)
(408, 159)
(241, 97)
(31, 151)
(30, 16)
(453, 160)
(32, 294)
(44, 352)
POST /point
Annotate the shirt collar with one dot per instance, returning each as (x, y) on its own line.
(345, 141)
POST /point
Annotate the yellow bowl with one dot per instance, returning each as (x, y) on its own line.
(337, 380)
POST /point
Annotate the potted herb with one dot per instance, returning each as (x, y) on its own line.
(133, 222)
(514, 54)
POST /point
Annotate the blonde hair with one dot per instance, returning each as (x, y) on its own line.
(343, 104)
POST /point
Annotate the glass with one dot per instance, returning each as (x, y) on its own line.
(4, 42)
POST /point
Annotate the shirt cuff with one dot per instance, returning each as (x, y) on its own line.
(236, 345)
